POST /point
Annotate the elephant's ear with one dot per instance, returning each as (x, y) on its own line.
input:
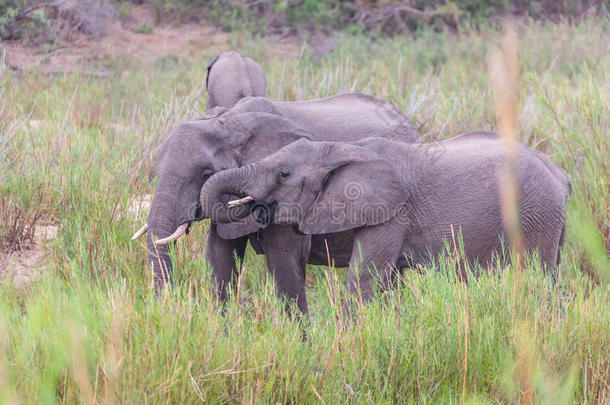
(267, 133)
(362, 189)
(207, 75)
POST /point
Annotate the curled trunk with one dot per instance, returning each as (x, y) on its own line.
(217, 191)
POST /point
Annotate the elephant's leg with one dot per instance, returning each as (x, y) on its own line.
(547, 248)
(545, 236)
(221, 255)
(561, 242)
(374, 257)
(287, 255)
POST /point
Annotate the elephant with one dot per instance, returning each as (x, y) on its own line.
(399, 204)
(231, 77)
(254, 128)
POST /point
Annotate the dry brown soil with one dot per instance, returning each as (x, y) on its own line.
(23, 266)
(87, 55)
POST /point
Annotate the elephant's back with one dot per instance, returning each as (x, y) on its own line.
(542, 180)
(349, 117)
(561, 177)
(460, 192)
(543, 187)
(257, 79)
(228, 67)
(232, 76)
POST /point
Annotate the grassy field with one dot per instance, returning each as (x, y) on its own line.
(76, 151)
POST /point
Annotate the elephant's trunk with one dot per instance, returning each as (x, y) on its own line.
(166, 214)
(158, 255)
(233, 182)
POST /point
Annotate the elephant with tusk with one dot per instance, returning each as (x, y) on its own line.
(230, 138)
(398, 204)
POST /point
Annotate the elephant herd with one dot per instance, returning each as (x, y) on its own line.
(342, 178)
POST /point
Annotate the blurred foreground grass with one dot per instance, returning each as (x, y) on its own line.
(76, 151)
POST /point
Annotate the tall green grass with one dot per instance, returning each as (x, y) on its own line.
(91, 329)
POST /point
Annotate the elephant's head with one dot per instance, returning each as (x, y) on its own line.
(195, 151)
(321, 187)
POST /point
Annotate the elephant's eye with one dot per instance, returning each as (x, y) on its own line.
(207, 173)
(283, 173)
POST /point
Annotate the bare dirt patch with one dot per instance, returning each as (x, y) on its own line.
(88, 54)
(26, 265)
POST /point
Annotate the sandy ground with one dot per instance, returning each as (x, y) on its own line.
(25, 265)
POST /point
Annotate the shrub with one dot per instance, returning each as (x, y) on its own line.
(143, 29)
(17, 19)
(42, 21)
(20, 18)
(389, 16)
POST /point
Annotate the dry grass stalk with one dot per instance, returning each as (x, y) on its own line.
(504, 69)
(17, 226)
(80, 372)
(114, 352)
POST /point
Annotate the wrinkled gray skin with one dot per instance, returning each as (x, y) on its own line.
(396, 202)
(225, 139)
(231, 77)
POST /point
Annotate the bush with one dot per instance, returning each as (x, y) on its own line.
(389, 16)
(19, 18)
(143, 29)
(44, 21)
(16, 18)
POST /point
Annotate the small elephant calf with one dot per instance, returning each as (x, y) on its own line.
(399, 203)
(231, 77)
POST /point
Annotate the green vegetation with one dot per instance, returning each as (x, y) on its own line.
(76, 150)
(30, 18)
(143, 29)
(389, 16)
(18, 18)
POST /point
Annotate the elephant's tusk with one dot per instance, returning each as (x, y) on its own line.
(178, 233)
(140, 232)
(241, 201)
